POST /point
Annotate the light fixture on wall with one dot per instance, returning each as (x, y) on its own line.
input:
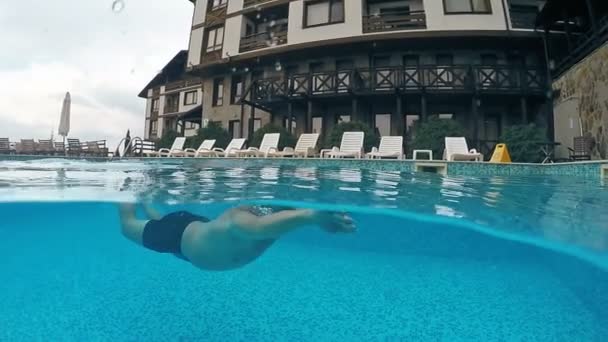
(278, 66)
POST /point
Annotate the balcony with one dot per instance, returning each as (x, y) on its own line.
(394, 21)
(500, 79)
(250, 3)
(275, 36)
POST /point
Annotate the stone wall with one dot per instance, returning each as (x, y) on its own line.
(587, 82)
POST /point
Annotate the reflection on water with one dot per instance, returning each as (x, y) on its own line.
(563, 209)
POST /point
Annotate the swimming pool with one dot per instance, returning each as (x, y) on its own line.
(435, 258)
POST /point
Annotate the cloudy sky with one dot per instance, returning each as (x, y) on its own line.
(103, 57)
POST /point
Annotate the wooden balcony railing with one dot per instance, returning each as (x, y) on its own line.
(276, 36)
(454, 78)
(394, 21)
(249, 3)
(182, 84)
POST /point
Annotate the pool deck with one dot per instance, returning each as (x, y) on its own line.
(586, 169)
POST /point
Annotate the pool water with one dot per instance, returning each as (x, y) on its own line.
(434, 258)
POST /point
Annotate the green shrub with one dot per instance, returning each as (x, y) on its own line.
(166, 141)
(287, 139)
(430, 135)
(214, 130)
(523, 143)
(334, 138)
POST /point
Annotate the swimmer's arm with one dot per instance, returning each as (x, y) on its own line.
(272, 226)
(152, 213)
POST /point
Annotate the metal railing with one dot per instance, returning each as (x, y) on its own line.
(394, 21)
(275, 36)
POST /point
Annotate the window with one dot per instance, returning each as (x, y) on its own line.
(236, 89)
(172, 103)
(234, 127)
(218, 92)
(467, 7)
(155, 105)
(191, 125)
(153, 127)
(323, 12)
(215, 38)
(383, 124)
(190, 97)
(317, 124)
(343, 118)
(216, 4)
(410, 123)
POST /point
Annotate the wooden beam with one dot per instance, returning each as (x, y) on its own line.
(423, 109)
(475, 117)
(290, 116)
(524, 110)
(397, 120)
(354, 116)
(591, 12)
(251, 120)
(242, 124)
(308, 127)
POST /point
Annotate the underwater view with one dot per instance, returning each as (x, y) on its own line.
(432, 259)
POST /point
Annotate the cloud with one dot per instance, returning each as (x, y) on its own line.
(102, 57)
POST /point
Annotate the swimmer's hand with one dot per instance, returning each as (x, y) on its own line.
(333, 222)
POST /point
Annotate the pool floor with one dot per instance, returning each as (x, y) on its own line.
(73, 277)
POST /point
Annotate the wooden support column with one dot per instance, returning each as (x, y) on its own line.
(290, 116)
(567, 25)
(308, 128)
(354, 116)
(251, 121)
(423, 110)
(475, 118)
(242, 124)
(397, 118)
(524, 110)
(591, 13)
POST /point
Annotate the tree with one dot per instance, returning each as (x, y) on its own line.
(166, 140)
(430, 135)
(287, 139)
(213, 131)
(523, 143)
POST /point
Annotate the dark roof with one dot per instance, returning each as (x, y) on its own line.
(173, 71)
(193, 115)
(553, 10)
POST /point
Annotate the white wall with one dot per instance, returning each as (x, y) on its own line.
(196, 44)
(437, 20)
(352, 26)
(200, 12)
(232, 36)
(234, 6)
(161, 111)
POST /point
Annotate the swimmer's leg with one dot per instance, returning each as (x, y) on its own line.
(273, 226)
(132, 228)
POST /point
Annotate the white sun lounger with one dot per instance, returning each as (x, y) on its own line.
(390, 147)
(351, 146)
(456, 149)
(230, 151)
(269, 144)
(305, 147)
(205, 147)
(176, 148)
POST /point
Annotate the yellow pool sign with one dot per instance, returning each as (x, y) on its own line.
(501, 154)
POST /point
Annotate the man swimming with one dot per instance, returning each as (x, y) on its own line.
(234, 239)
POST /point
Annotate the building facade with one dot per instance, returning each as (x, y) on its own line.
(173, 100)
(309, 64)
(577, 44)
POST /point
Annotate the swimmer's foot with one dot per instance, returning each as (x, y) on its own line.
(333, 222)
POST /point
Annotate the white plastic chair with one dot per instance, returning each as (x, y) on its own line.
(176, 149)
(456, 149)
(350, 146)
(305, 147)
(234, 146)
(205, 147)
(390, 147)
(269, 144)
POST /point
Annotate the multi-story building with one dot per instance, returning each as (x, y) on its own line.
(308, 64)
(173, 100)
(577, 45)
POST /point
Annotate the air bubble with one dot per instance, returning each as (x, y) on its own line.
(118, 6)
